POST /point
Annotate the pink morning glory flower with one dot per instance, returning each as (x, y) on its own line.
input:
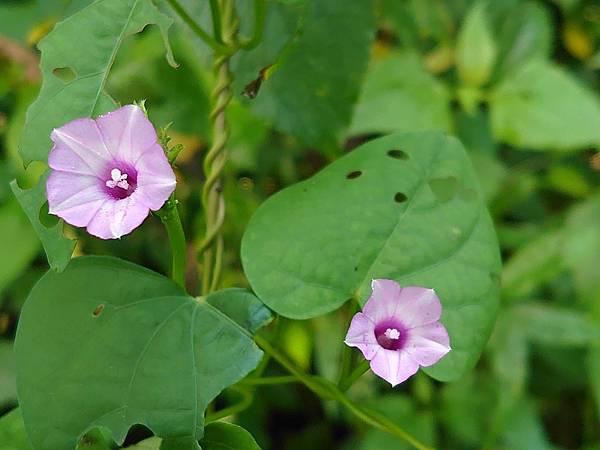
(109, 173)
(398, 330)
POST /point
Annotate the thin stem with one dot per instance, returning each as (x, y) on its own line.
(348, 381)
(215, 10)
(169, 215)
(325, 389)
(197, 29)
(266, 381)
(260, 7)
(309, 381)
(238, 407)
(211, 246)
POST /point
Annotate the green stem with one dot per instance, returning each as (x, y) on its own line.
(211, 247)
(325, 389)
(238, 407)
(198, 30)
(260, 8)
(266, 381)
(215, 10)
(169, 215)
(348, 381)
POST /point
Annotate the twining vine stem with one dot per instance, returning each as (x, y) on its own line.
(225, 44)
(214, 162)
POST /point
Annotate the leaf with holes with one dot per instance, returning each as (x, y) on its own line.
(58, 248)
(107, 343)
(75, 66)
(406, 207)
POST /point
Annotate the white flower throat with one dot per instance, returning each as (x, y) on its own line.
(392, 333)
(118, 179)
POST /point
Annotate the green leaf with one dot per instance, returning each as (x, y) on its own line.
(242, 307)
(87, 58)
(12, 432)
(525, 34)
(280, 29)
(542, 107)
(110, 344)
(316, 81)
(227, 436)
(217, 436)
(475, 48)
(400, 95)
(17, 240)
(152, 443)
(58, 248)
(406, 207)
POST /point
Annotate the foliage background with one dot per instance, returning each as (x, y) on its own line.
(516, 81)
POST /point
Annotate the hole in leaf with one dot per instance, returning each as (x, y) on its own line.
(397, 154)
(64, 74)
(444, 188)
(136, 434)
(47, 219)
(400, 197)
(354, 174)
(98, 310)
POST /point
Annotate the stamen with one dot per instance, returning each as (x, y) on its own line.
(118, 179)
(392, 333)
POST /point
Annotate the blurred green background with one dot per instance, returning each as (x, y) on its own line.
(516, 81)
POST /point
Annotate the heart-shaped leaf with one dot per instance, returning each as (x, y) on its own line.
(383, 211)
(110, 344)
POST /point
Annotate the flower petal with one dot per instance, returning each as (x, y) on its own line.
(156, 180)
(393, 366)
(361, 334)
(427, 344)
(383, 301)
(127, 132)
(75, 198)
(117, 218)
(418, 306)
(79, 148)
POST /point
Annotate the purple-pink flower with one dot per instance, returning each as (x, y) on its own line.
(109, 173)
(398, 330)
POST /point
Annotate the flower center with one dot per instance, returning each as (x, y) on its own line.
(121, 181)
(390, 335)
(118, 179)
